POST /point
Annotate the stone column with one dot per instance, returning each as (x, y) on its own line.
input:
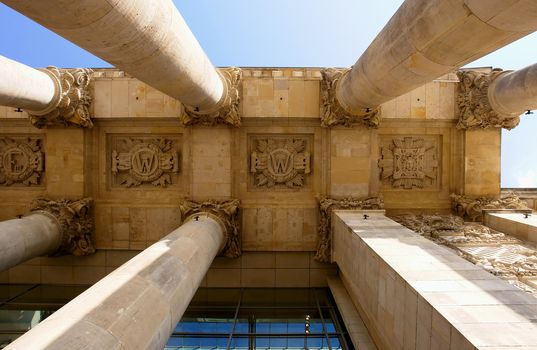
(138, 305)
(55, 227)
(495, 99)
(422, 41)
(147, 39)
(51, 96)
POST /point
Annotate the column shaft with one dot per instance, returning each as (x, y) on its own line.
(25, 87)
(147, 39)
(428, 38)
(26, 238)
(138, 305)
(514, 92)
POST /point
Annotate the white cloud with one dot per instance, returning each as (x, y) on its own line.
(527, 180)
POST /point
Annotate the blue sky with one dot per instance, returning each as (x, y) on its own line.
(285, 33)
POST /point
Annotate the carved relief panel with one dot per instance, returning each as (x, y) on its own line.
(409, 162)
(279, 162)
(144, 161)
(21, 161)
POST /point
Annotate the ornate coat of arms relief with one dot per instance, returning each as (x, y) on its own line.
(409, 162)
(21, 161)
(138, 161)
(279, 162)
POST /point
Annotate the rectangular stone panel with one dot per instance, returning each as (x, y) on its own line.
(22, 161)
(144, 161)
(280, 162)
(410, 162)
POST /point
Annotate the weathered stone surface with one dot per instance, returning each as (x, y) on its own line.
(280, 161)
(475, 109)
(326, 206)
(333, 113)
(21, 161)
(227, 111)
(471, 208)
(75, 218)
(72, 100)
(408, 162)
(136, 161)
(225, 212)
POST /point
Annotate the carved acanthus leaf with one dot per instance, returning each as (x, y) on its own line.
(326, 206)
(475, 110)
(471, 208)
(228, 214)
(228, 111)
(21, 161)
(71, 107)
(76, 223)
(333, 113)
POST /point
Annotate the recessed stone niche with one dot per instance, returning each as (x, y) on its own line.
(410, 162)
(144, 161)
(280, 162)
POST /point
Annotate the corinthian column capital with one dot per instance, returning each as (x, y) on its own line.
(226, 213)
(75, 220)
(475, 101)
(70, 105)
(333, 113)
(227, 111)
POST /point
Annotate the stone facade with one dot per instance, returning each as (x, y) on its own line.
(139, 160)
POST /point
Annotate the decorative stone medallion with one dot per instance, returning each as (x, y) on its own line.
(279, 161)
(21, 161)
(408, 162)
(137, 161)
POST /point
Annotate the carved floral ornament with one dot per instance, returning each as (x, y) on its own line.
(72, 100)
(326, 206)
(138, 161)
(496, 252)
(475, 110)
(21, 161)
(471, 208)
(227, 111)
(280, 161)
(225, 212)
(75, 220)
(333, 113)
(409, 162)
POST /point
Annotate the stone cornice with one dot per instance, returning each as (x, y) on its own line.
(474, 102)
(225, 212)
(326, 206)
(75, 220)
(333, 113)
(471, 208)
(72, 100)
(227, 111)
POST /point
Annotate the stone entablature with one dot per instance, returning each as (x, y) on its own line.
(280, 161)
(473, 101)
(75, 219)
(22, 161)
(72, 100)
(144, 160)
(228, 111)
(326, 207)
(471, 208)
(333, 113)
(225, 212)
(409, 162)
